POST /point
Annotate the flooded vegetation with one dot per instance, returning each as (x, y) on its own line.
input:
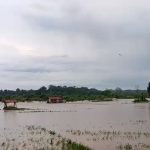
(117, 125)
(36, 138)
(123, 140)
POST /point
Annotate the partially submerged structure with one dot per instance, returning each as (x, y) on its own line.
(9, 104)
(55, 99)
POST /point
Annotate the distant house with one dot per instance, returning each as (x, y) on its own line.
(9, 103)
(55, 99)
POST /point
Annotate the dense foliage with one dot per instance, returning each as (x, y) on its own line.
(148, 89)
(69, 93)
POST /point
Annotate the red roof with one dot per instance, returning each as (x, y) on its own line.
(56, 97)
(9, 101)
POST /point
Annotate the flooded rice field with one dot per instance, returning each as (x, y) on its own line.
(117, 125)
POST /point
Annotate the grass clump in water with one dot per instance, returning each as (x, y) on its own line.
(141, 99)
(125, 147)
(70, 145)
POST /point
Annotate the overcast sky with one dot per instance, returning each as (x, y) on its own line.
(94, 43)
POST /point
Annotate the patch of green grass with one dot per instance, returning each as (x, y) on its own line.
(140, 101)
(75, 146)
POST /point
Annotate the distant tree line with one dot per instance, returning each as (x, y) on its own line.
(69, 93)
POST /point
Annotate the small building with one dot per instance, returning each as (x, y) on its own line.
(9, 103)
(55, 99)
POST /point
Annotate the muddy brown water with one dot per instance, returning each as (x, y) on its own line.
(100, 125)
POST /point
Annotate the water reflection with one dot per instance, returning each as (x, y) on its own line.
(149, 110)
(10, 120)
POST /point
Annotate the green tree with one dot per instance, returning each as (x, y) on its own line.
(148, 89)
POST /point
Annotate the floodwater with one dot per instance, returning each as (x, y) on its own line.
(100, 125)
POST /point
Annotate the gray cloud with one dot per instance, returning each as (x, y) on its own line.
(74, 43)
